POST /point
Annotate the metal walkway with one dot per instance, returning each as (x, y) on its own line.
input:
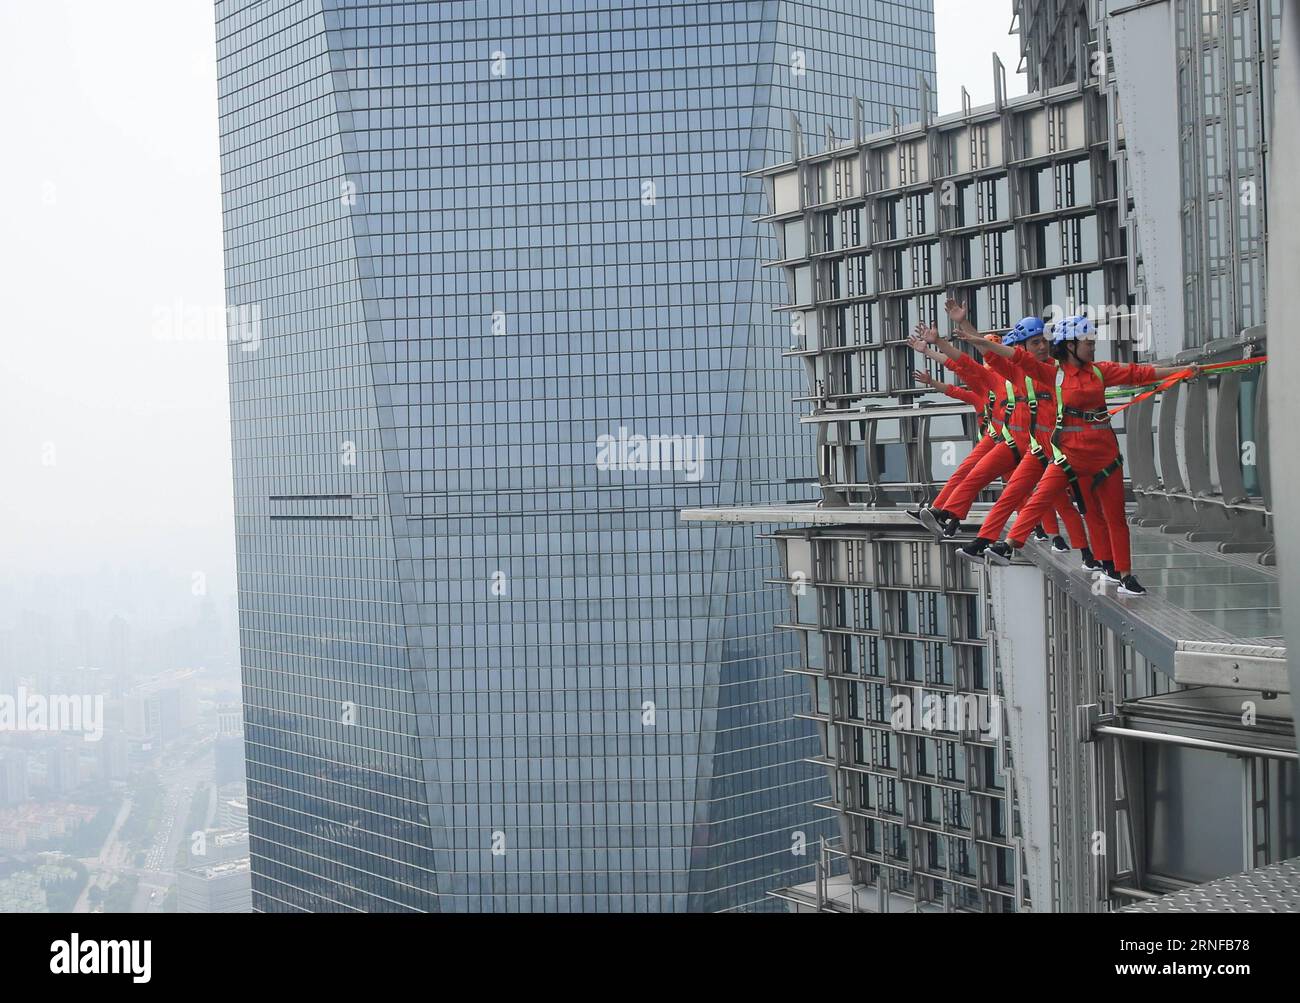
(1274, 889)
(1208, 619)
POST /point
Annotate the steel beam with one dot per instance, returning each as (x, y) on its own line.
(1283, 308)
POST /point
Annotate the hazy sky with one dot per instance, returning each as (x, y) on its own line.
(967, 33)
(114, 441)
(113, 418)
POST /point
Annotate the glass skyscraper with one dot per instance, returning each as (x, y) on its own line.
(501, 316)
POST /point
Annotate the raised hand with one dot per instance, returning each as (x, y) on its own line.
(965, 332)
(926, 334)
(920, 346)
(957, 312)
(925, 378)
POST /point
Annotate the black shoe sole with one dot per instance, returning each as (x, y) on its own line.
(928, 520)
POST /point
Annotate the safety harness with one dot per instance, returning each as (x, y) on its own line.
(1009, 408)
(1095, 419)
(986, 415)
(1035, 447)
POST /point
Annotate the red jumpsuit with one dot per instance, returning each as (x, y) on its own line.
(998, 460)
(981, 381)
(1089, 448)
(966, 395)
(1032, 466)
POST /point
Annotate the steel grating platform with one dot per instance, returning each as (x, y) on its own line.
(1211, 619)
(1271, 889)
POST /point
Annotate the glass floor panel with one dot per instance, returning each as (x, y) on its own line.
(1225, 590)
(1251, 623)
(1224, 574)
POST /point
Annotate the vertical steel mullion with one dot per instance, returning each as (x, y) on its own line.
(1230, 86)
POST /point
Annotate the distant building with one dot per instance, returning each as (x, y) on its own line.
(230, 721)
(160, 710)
(13, 777)
(489, 326)
(226, 845)
(218, 846)
(233, 813)
(215, 888)
(114, 759)
(62, 768)
(228, 754)
(83, 637)
(119, 644)
(35, 822)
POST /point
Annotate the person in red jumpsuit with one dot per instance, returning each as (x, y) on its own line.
(1087, 461)
(1036, 414)
(983, 391)
(953, 390)
(1000, 460)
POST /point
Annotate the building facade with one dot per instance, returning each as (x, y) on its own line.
(498, 314)
(1014, 209)
(214, 888)
(1144, 746)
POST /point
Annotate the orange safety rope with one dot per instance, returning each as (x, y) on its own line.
(1183, 374)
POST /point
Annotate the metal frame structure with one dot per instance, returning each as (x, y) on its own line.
(1219, 493)
(1118, 689)
(997, 204)
(890, 630)
(1054, 39)
(1284, 264)
(1013, 207)
(1110, 708)
(1227, 57)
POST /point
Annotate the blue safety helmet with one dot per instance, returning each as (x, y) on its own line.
(1029, 327)
(1073, 329)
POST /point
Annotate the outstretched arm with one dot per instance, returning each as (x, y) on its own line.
(929, 337)
(960, 317)
(1164, 372)
(1006, 368)
(920, 345)
(973, 337)
(1043, 372)
(956, 393)
(965, 366)
(965, 330)
(1136, 374)
(964, 395)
